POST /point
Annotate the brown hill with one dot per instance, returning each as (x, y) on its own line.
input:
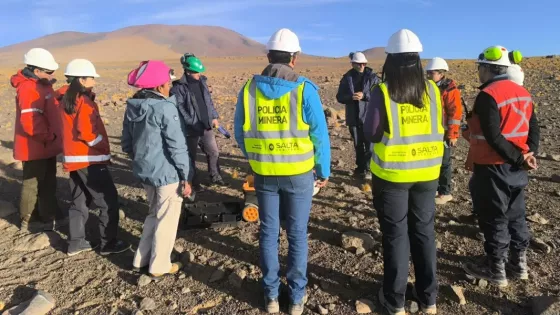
(139, 42)
(375, 53)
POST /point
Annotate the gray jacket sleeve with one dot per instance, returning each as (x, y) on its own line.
(174, 141)
(126, 138)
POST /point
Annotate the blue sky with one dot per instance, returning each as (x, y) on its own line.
(447, 28)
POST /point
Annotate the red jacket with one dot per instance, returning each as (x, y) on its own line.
(515, 106)
(37, 120)
(84, 139)
(452, 108)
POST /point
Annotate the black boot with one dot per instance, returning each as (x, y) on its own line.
(489, 270)
(517, 265)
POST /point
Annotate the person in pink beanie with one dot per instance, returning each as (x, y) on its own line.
(153, 137)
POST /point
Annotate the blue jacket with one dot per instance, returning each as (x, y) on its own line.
(188, 108)
(153, 137)
(313, 115)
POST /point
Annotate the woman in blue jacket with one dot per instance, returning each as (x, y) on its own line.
(153, 137)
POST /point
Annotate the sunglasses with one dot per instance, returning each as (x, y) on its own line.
(49, 72)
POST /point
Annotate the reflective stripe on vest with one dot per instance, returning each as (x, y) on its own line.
(86, 158)
(276, 137)
(523, 121)
(413, 150)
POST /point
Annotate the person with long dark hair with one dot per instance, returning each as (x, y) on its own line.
(86, 156)
(404, 121)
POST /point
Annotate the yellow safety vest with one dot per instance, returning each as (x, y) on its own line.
(412, 150)
(276, 137)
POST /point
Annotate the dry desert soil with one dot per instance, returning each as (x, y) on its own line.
(222, 274)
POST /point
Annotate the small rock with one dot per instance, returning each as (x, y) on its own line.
(321, 310)
(438, 245)
(172, 305)
(452, 223)
(360, 251)
(180, 249)
(546, 305)
(185, 290)
(218, 275)
(537, 218)
(6, 208)
(364, 306)
(32, 242)
(557, 193)
(413, 307)
(2, 305)
(555, 157)
(41, 303)
(459, 293)
(236, 278)
(356, 240)
(182, 276)
(147, 304)
(122, 215)
(137, 312)
(332, 307)
(203, 259)
(352, 190)
(482, 283)
(539, 244)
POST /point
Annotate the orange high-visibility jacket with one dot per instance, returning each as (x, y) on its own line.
(515, 106)
(84, 138)
(452, 108)
(37, 119)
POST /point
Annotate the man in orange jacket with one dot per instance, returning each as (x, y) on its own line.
(452, 113)
(504, 136)
(35, 141)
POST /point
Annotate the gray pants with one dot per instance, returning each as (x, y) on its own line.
(209, 147)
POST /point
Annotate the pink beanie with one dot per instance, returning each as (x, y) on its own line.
(150, 74)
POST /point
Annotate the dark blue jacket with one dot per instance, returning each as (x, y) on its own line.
(355, 110)
(188, 108)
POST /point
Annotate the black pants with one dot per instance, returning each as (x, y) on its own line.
(499, 201)
(444, 185)
(209, 147)
(361, 147)
(406, 214)
(39, 188)
(96, 184)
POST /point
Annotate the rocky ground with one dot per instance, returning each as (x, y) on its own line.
(221, 274)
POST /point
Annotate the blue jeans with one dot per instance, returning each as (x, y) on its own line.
(295, 194)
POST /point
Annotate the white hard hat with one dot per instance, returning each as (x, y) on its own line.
(437, 63)
(40, 58)
(403, 41)
(80, 68)
(515, 73)
(499, 53)
(284, 40)
(359, 57)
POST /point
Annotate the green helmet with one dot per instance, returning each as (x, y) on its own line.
(193, 64)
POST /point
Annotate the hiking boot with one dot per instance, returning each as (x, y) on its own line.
(360, 174)
(387, 307)
(85, 246)
(426, 309)
(443, 199)
(271, 305)
(368, 175)
(517, 266)
(115, 247)
(298, 308)
(492, 271)
(175, 267)
(218, 181)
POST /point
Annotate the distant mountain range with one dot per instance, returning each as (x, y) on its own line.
(154, 41)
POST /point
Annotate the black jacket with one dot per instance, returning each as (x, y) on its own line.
(356, 110)
(188, 108)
